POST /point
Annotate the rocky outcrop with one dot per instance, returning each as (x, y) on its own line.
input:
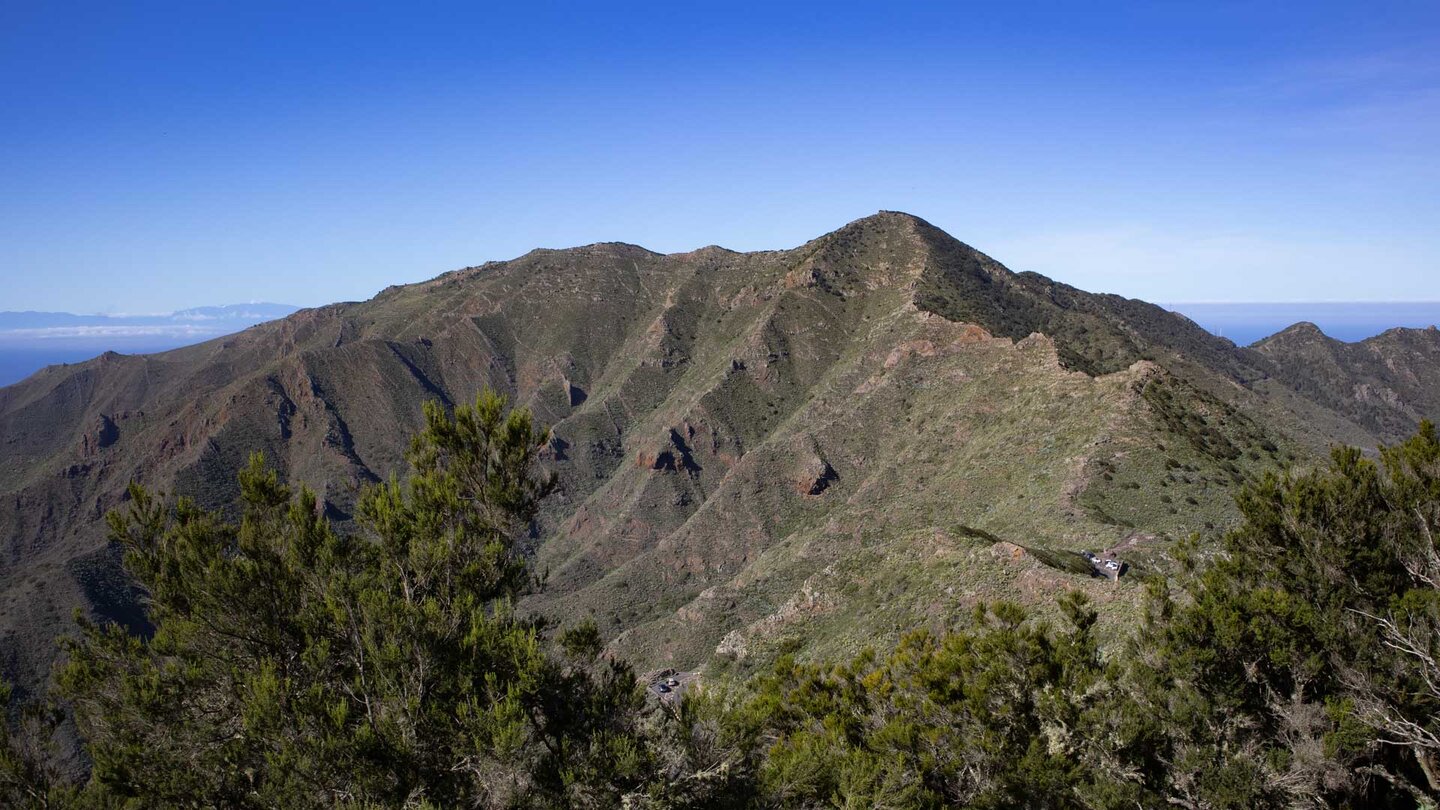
(812, 473)
(103, 433)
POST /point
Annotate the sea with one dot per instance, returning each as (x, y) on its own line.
(19, 360)
(1245, 323)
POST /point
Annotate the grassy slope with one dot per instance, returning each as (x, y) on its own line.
(766, 451)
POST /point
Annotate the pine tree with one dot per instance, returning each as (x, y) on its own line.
(1296, 668)
(296, 666)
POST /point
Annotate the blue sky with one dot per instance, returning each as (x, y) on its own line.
(157, 156)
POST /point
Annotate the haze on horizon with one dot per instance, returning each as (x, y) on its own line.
(169, 155)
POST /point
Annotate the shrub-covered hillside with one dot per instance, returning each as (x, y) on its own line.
(294, 664)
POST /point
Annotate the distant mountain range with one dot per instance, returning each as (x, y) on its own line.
(203, 322)
(29, 341)
(802, 451)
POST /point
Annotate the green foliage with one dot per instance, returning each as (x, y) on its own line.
(1293, 670)
(1298, 669)
(293, 666)
(28, 777)
(987, 717)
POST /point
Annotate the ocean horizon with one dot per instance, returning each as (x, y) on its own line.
(1246, 323)
(20, 360)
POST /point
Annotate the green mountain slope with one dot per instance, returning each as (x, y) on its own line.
(804, 449)
(1386, 383)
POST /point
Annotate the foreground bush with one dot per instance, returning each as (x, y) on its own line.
(294, 666)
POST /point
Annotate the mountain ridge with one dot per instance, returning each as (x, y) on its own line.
(741, 438)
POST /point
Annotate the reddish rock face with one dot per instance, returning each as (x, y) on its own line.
(814, 476)
(101, 435)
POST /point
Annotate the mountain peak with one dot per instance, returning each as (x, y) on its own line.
(888, 221)
(1304, 330)
(896, 234)
(895, 216)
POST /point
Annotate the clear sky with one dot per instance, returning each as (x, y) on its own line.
(156, 156)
